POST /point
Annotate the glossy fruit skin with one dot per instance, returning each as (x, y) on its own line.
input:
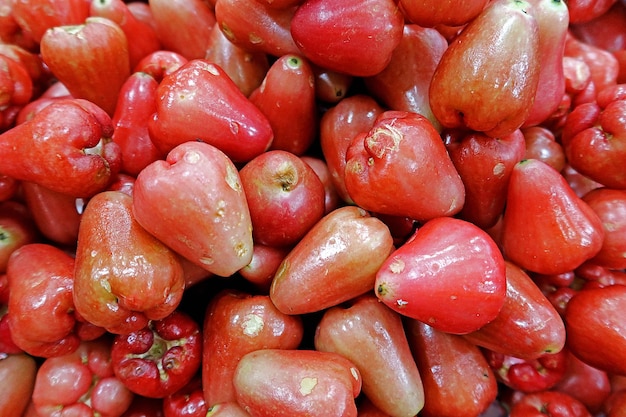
(433, 13)
(237, 323)
(466, 86)
(610, 205)
(303, 382)
(136, 103)
(594, 140)
(124, 276)
(342, 36)
(285, 197)
(450, 274)
(372, 336)
(76, 172)
(20, 369)
(80, 54)
(548, 403)
(381, 174)
(526, 376)
(526, 333)
(546, 227)
(338, 127)
(199, 101)
(287, 98)
(595, 327)
(41, 283)
(485, 165)
(222, 242)
(17, 228)
(159, 359)
(405, 82)
(334, 262)
(186, 402)
(456, 377)
(34, 17)
(81, 382)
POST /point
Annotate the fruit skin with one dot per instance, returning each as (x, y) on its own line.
(237, 323)
(42, 316)
(352, 38)
(20, 369)
(81, 383)
(450, 274)
(610, 206)
(527, 326)
(548, 403)
(595, 324)
(83, 56)
(466, 86)
(457, 379)
(199, 102)
(285, 197)
(381, 173)
(433, 13)
(546, 227)
(124, 276)
(196, 181)
(17, 228)
(334, 262)
(372, 336)
(297, 383)
(80, 163)
(160, 359)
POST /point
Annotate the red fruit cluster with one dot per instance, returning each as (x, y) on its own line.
(267, 208)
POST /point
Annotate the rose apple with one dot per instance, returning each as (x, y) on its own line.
(390, 168)
(42, 314)
(265, 262)
(199, 102)
(548, 403)
(527, 326)
(246, 68)
(450, 274)
(285, 197)
(610, 206)
(485, 165)
(197, 181)
(457, 379)
(595, 323)
(353, 38)
(467, 84)
(186, 402)
(34, 17)
(432, 13)
(541, 144)
(19, 372)
(17, 228)
(229, 409)
(297, 383)
(546, 227)
(237, 323)
(338, 127)
(79, 163)
(124, 276)
(405, 81)
(83, 56)
(183, 26)
(159, 359)
(287, 98)
(332, 200)
(257, 27)
(371, 335)
(334, 262)
(81, 383)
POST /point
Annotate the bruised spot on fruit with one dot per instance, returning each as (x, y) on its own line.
(402, 303)
(227, 31)
(307, 384)
(252, 325)
(220, 210)
(383, 140)
(212, 69)
(240, 249)
(255, 39)
(397, 266)
(232, 178)
(207, 260)
(234, 127)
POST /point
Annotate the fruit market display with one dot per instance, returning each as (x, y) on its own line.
(312, 208)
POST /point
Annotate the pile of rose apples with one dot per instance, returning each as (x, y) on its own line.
(314, 208)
